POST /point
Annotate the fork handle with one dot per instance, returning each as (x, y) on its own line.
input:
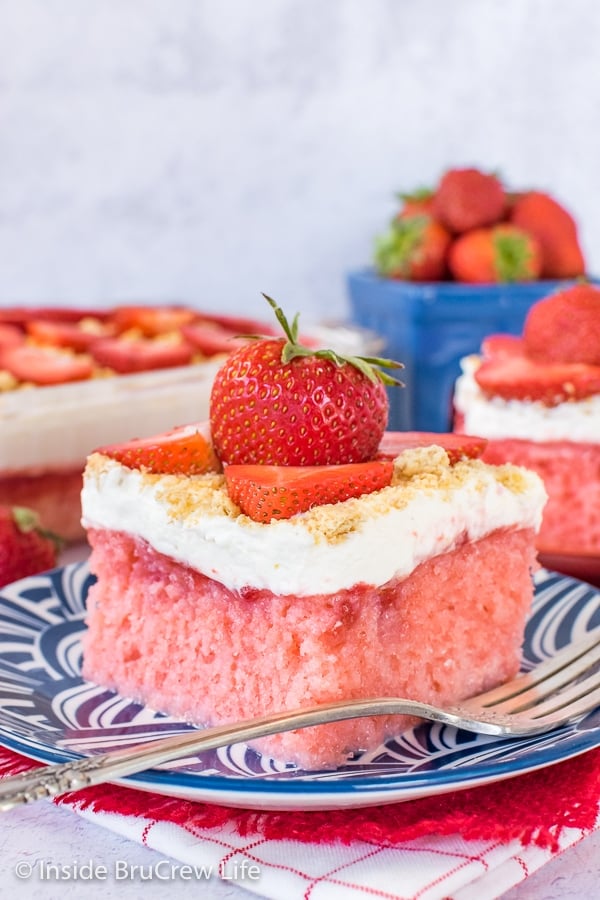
(49, 781)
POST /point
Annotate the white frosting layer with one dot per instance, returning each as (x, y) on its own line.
(577, 421)
(57, 427)
(371, 539)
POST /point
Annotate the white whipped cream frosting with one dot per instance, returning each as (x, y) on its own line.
(369, 540)
(57, 427)
(496, 418)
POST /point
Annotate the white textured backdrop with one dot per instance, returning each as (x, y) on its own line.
(206, 151)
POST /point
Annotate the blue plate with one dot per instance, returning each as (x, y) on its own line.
(48, 712)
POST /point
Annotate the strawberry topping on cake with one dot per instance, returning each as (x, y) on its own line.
(278, 402)
(125, 355)
(44, 365)
(279, 492)
(557, 359)
(53, 346)
(187, 449)
(292, 428)
(457, 446)
(327, 560)
(565, 327)
(77, 336)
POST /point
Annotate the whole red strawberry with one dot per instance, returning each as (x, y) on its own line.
(25, 548)
(502, 253)
(414, 248)
(468, 198)
(565, 327)
(276, 402)
(416, 203)
(555, 230)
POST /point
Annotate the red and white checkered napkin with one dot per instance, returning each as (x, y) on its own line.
(472, 844)
(428, 868)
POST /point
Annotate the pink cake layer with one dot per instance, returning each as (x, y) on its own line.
(183, 644)
(571, 474)
(54, 495)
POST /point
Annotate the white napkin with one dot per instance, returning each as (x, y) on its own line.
(431, 868)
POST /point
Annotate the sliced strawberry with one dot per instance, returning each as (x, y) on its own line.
(143, 355)
(187, 450)
(520, 378)
(240, 325)
(457, 446)
(15, 315)
(43, 365)
(10, 336)
(502, 346)
(278, 492)
(152, 320)
(212, 339)
(19, 315)
(62, 334)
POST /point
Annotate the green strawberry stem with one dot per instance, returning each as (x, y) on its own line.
(368, 365)
(27, 520)
(420, 193)
(395, 249)
(512, 257)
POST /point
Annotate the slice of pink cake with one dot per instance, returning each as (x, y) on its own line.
(571, 474)
(419, 589)
(536, 399)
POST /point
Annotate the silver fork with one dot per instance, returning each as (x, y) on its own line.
(558, 691)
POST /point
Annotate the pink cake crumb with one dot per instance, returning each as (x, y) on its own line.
(183, 644)
(571, 474)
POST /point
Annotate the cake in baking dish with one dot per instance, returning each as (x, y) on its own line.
(72, 379)
(536, 398)
(290, 553)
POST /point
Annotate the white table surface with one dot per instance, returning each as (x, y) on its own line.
(44, 833)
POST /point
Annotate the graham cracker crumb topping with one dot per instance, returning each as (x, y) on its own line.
(419, 471)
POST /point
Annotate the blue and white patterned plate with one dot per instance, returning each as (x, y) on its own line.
(49, 713)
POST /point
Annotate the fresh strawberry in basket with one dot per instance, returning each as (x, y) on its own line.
(555, 230)
(446, 234)
(502, 253)
(468, 198)
(414, 248)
